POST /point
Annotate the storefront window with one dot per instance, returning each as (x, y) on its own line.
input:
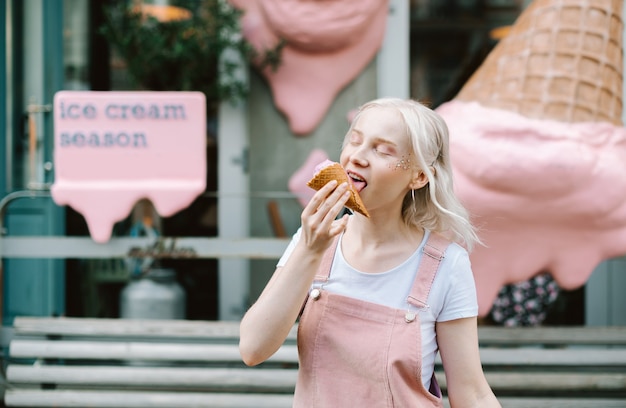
(91, 63)
(76, 44)
(449, 40)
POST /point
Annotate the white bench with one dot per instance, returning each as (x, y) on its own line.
(81, 362)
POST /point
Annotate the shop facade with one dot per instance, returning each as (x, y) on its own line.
(54, 45)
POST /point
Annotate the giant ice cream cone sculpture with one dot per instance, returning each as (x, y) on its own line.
(539, 150)
(561, 60)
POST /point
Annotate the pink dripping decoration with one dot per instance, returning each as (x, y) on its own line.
(546, 195)
(538, 147)
(327, 44)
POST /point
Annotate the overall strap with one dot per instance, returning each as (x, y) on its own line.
(323, 271)
(433, 254)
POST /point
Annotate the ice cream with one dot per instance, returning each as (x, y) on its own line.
(539, 150)
(329, 170)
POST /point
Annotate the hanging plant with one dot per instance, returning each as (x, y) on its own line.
(183, 51)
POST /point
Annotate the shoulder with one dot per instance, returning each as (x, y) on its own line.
(453, 252)
(454, 291)
(455, 268)
(456, 255)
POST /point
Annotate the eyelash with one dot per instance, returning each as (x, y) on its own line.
(377, 150)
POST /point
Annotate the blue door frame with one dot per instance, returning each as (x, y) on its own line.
(31, 287)
(3, 100)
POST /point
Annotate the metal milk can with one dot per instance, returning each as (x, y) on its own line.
(155, 294)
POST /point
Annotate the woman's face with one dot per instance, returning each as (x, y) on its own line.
(377, 157)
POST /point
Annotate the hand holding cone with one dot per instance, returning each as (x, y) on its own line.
(334, 171)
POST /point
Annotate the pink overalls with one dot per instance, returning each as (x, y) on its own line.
(355, 353)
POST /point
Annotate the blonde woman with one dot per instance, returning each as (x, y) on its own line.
(379, 297)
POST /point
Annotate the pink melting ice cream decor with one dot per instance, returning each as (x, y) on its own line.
(327, 44)
(546, 195)
(112, 149)
(539, 149)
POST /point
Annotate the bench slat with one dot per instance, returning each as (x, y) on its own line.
(211, 330)
(281, 379)
(107, 399)
(145, 399)
(574, 357)
(275, 380)
(289, 354)
(534, 382)
(560, 403)
(69, 326)
(125, 328)
(552, 335)
(135, 351)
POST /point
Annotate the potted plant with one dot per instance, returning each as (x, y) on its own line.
(179, 47)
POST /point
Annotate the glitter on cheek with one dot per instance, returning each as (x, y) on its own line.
(403, 164)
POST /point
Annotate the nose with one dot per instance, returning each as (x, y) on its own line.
(359, 156)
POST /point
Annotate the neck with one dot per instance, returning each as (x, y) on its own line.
(381, 230)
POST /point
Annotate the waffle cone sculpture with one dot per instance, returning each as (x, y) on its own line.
(334, 171)
(539, 148)
(561, 60)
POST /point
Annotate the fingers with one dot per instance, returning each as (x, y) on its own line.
(319, 215)
(336, 208)
(328, 200)
(337, 226)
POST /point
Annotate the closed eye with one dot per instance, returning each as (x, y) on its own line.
(354, 139)
(384, 150)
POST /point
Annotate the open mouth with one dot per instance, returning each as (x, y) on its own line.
(358, 182)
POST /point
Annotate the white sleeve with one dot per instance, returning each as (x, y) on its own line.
(294, 240)
(459, 289)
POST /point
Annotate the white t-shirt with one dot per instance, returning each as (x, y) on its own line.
(452, 295)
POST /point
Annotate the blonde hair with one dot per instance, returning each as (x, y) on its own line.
(435, 206)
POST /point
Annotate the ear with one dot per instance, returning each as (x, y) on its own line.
(419, 180)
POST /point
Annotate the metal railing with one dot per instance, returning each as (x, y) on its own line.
(70, 247)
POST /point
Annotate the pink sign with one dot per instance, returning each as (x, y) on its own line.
(112, 149)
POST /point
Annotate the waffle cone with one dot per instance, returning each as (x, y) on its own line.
(561, 60)
(336, 172)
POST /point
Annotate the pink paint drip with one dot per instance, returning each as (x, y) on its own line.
(547, 195)
(327, 44)
(104, 182)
